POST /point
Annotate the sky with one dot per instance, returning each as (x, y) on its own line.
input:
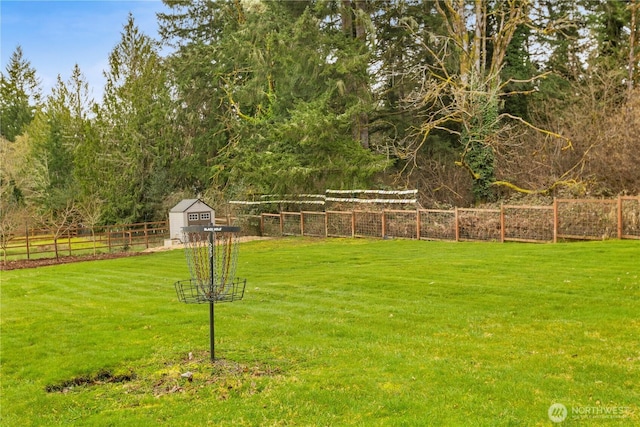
(55, 35)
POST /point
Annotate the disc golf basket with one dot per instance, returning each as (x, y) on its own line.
(212, 254)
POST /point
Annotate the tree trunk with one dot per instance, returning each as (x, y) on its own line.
(633, 34)
(353, 26)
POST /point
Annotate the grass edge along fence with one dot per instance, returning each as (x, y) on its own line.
(566, 219)
(43, 243)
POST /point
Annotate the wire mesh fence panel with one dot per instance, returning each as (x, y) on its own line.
(630, 216)
(566, 219)
(587, 219)
(339, 224)
(436, 224)
(291, 223)
(528, 223)
(368, 224)
(314, 224)
(249, 224)
(271, 225)
(401, 224)
(479, 224)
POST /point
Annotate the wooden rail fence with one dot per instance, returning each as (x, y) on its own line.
(36, 244)
(565, 219)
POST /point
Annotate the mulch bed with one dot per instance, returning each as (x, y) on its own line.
(34, 263)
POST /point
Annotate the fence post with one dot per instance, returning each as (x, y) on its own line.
(302, 223)
(93, 238)
(620, 217)
(281, 222)
(353, 223)
(457, 224)
(501, 223)
(326, 224)
(384, 224)
(26, 238)
(555, 220)
(146, 236)
(69, 240)
(418, 223)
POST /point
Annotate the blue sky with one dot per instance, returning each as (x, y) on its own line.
(55, 35)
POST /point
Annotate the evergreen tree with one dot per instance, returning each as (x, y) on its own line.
(134, 144)
(276, 76)
(404, 34)
(50, 187)
(19, 95)
(517, 73)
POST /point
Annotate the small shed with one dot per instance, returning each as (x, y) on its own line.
(189, 212)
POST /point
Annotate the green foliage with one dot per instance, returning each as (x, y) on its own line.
(517, 72)
(283, 120)
(134, 136)
(12, 196)
(19, 95)
(608, 19)
(274, 96)
(47, 177)
(330, 332)
(481, 160)
(307, 152)
(478, 155)
(401, 29)
(562, 40)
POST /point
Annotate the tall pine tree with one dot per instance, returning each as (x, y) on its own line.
(19, 95)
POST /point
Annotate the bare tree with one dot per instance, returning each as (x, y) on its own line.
(10, 221)
(465, 100)
(60, 220)
(602, 122)
(90, 210)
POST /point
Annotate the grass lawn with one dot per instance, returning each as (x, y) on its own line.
(332, 332)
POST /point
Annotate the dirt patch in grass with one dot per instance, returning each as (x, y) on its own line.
(34, 263)
(226, 378)
(102, 377)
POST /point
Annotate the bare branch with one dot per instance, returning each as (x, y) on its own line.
(544, 131)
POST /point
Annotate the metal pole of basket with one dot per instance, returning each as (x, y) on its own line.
(212, 345)
(211, 253)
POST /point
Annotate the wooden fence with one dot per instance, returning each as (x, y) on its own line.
(36, 244)
(566, 219)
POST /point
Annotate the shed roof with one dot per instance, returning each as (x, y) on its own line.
(186, 204)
